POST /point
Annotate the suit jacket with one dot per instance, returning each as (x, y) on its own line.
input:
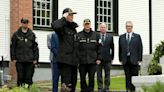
(135, 49)
(52, 44)
(107, 48)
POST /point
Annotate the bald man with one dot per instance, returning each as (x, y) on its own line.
(107, 54)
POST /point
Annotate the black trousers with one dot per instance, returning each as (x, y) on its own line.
(106, 65)
(130, 70)
(25, 71)
(84, 69)
(68, 75)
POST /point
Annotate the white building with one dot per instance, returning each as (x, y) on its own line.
(5, 29)
(147, 17)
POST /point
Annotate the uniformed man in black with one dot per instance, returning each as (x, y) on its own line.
(67, 51)
(88, 55)
(24, 52)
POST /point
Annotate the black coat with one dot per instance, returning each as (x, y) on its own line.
(135, 49)
(88, 47)
(24, 47)
(67, 52)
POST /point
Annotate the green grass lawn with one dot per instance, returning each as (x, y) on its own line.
(117, 83)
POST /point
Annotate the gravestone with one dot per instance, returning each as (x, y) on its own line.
(148, 80)
(1, 78)
(144, 64)
(162, 63)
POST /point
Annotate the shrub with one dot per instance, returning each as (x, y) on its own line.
(157, 87)
(4, 89)
(25, 88)
(154, 68)
(34, 88)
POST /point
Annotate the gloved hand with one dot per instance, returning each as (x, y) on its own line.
(65, 15)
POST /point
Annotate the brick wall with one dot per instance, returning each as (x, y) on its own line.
(19, 9)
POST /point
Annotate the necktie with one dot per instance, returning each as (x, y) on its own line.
(128, 41)
(103, 39)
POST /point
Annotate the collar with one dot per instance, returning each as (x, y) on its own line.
(29, 31)
(103, 34)
(130, 35)
(70, 24)
(87, 32)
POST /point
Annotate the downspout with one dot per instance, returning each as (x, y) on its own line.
(150, 26)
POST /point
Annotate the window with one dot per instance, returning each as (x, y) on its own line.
(107, 12)
(42, 13)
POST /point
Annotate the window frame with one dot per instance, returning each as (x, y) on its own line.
(114, 19)
(53, 15)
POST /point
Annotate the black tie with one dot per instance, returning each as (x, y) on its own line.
(128, 41)
(103, 39)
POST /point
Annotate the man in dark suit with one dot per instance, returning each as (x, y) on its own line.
(106, 50)
(130, 54)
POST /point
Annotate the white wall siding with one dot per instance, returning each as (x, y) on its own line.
(5, 29)
(157, 21)
(84, 9)
(42, 43)
(116, 59)
(138, 12)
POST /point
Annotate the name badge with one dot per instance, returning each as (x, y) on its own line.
(100, 41)
(25, 39)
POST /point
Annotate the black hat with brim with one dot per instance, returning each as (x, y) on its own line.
(87, 21)
(69, 11)
(24, 20)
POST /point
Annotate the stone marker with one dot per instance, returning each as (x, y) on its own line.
(162, 63)
(144, 64)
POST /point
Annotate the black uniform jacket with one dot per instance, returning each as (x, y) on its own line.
(24, 47)
(88, 47)
(66, 31)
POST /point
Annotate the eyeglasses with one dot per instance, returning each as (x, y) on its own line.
(129, 26)
(24, 22)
